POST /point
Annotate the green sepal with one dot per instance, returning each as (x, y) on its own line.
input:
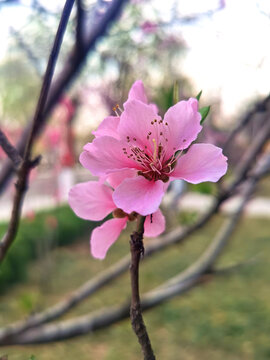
(199, 95)
(204, 112)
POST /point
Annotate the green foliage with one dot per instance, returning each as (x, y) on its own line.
(204, 112)
(18, 89)
(175, 92)
(187, 217)
(165, 98)
(35, 239)
(199, 95)
(203, 188)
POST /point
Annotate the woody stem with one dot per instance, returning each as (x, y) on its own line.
(137, 250)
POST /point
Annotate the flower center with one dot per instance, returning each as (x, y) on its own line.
(152, 151)
(153, 165)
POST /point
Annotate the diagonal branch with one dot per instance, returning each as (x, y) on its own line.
(186, 280)
(80, 25)
(176, 236)
(73, 64)
(27, 163)
(181, 283)
(261, 106)
(10, 150)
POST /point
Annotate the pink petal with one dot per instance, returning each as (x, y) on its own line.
(202, 162)
(105, 235)
(115, 179)
(108, 127)
(140, 195)
(91, 200)
(183, 121)
(154, 224)
(137, 92)
(105, 155)
(136, 123)
(154, 107)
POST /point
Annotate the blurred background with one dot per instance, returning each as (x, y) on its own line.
(217, 46)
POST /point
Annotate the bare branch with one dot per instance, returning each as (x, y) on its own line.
(10, 150)
(249, 158)
(73, 64)
(80, 25)
(181, 283)
(177, 236)
(27, 163)
(138, 326)
(261, 106)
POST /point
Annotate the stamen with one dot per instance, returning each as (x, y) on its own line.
(155, 149)
(118, 107)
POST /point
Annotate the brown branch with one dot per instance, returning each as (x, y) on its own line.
(194, 275)
(249, 158)
(80, 25)
(10, 150)
(138, 326)
(181, 283)
(73, 64)
(27, 163)
(261, 106)
(176, 236)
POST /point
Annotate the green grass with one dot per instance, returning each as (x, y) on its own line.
(227, 318)
(37, 237)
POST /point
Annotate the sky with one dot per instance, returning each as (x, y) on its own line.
(228, 53)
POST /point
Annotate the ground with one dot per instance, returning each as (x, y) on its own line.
(226, 318)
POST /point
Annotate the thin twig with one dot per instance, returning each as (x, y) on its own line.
(27, 163)
(10, 150)
(137, 250)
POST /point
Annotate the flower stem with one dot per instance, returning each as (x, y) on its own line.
(137, 249)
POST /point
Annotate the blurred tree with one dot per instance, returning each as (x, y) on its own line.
(18, 89)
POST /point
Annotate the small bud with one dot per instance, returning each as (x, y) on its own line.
(119, 214)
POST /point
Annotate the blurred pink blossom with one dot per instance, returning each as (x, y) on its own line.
(149, 27)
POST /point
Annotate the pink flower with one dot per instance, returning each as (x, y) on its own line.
(94, 201)
(152, 151)
(149, 27)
